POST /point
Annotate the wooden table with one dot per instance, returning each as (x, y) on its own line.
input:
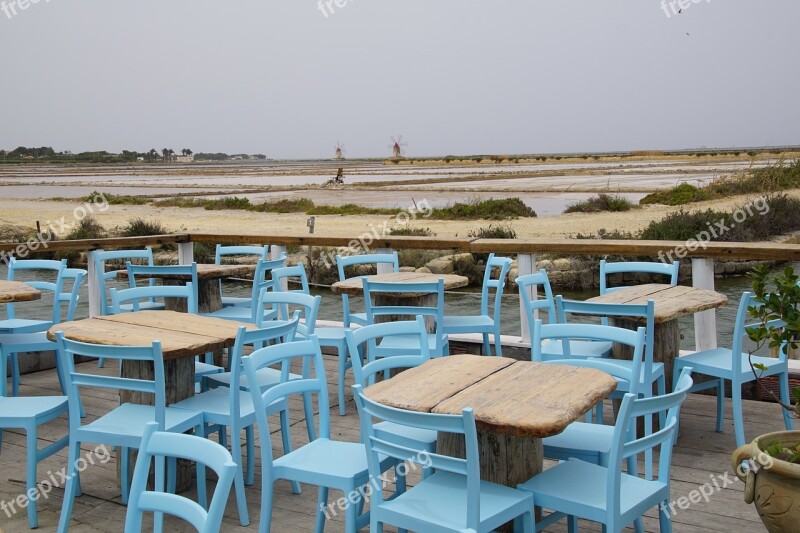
(209, 295)
(671, 302)
(516, 404)
(355, 285)
(17, 291)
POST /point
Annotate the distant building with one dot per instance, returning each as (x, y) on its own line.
(185, 158)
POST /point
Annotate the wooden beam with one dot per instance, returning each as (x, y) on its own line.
(354, 241)
(103, 244)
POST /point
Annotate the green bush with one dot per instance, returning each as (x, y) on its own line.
(87, 228)
(139, 227)
(493, 232)
(407, 231)
(680, 195)
(601, 202)
(113, 199)
(491, 209)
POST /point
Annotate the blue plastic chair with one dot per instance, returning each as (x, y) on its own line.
(28, 414)
(259, 252)
(606, 494)
(343, 262)
(360, 341)
(124, 425)
(454, 498)
(438, 341)
(670, 270)
(484, 323)
(189, 272)
(262, 279)
(322, 462)
(553, 349)
(15, 343)
(732, 364)
(103, 276)
(158, 445)
(35, 267)
(232, 407)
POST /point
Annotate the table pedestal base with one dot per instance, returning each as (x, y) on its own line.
(427, 300)
(179, 374)
(209, 296)
(505, 459)
(665, 348)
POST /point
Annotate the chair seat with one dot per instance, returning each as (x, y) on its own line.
(581, 488)
(406, 344)
(30, 407)
(236, 301)
(314, 463)
(468, 324)
(441, 501)
(719, 362)
(241, 314)
(410, 437)
(204, 369)
(267, 377)
(128, 421)
(216, 408)
(331, 337)
(24, 325)
(658, 368)
(143, 306)
(553, 348)
(27, 342)
(581, 441)
(359, 318)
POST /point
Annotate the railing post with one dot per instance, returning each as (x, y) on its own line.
(93, 281)
(185, 253)
(705, 322)
(275, 252)
(384, 268)
(526, 265)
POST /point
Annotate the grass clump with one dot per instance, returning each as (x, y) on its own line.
(601, 202)
(139, 227)
(493, 232)
(491, 209)
(112, 199)
(406, 231)
(87, 228)
(351, 209)
(285, 205)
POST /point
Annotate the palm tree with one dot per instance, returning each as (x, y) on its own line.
(152, 154)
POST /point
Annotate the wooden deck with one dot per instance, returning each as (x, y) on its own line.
(701, 454)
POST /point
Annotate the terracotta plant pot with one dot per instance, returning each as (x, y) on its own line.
(775, 488)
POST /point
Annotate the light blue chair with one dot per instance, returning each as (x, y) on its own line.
(37, 268)
(485, 323)
(27, 414)
(262, 279)
(343, 262)
(101, 258)
(159, 445)
(328, 336)
(438, 341)
(322, 462)
(124, 425)
(259, 252)
(670, 270)
(16, 343)
(732, 364)
(360, 341)
(454, 498)
(553, 349)
(606, 494)
(188, 272)
(232, 407)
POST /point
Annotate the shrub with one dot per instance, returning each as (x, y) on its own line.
(87, 228)
(139, 227)
(113, 199)
(407, 231)
(601, 202)
(491, 209)
(493, 232)
(682, 194)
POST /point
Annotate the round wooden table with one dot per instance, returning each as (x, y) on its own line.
(516, 405)
(17, 291)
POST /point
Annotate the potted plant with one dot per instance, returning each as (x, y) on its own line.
(772, 481)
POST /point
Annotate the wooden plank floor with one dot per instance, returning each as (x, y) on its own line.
(700, 456)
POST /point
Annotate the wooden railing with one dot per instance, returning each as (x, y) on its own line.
(701, 255)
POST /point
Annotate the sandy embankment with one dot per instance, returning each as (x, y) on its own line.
(27, 212)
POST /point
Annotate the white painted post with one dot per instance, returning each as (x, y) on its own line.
(527, 265)
(93, 280)
(185, 253)
(275, 252)
(705, 322)
(384, 268)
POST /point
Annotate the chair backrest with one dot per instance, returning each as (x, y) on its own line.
(626, 444)
(498, 284)
(595, 332)
(68, 350)
(666, 269)
(52, 269)
(125, 256)
(530, 284)
(306, 352)
(136, 295)
(262, 277)
(393, 446)
(260, 252)
(186, 272)
(740, 331)
(342, 262)
(604, 310)
(298, 271)
(286, 303)
(360, 343)
(158, 444)
(71, 297)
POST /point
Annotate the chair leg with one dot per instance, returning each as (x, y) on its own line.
(787, 416)
(664, 519)
(238, 480)
(286, 437)
(572, 524)
(251, 455)
(498, 343)
(350, 517)
(738, 416)
(720, 405)
(158, 518)
(267, 489)
(14, 375)
(100, 362)
(70, 490)
(487, 349)
(342, 374)
(638, 525)
(322, 503)
(124, 470)
(30, 481)
(308, 411)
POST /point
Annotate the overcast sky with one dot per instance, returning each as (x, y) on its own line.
(452, 76)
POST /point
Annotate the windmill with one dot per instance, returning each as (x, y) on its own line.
(397, 147)
(340, 151)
